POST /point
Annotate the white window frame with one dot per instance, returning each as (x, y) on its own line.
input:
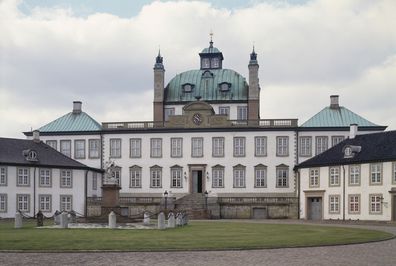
(135, 148)
(239, 146)
(260, 176)
(314, 177)
(354, 204)
(135, 177)
(322, 144)
(94, 148)
(218, 146)
(168, 111)
(354, 175)
(334, 204)
(239, 174)
(45, 203)
(176, 177)
(260, 146)
(3, 202)
(155, 177)
(66, 178)
(23, 177)
(305, 146)
(224, 110)
(45, 177)
(375, 203)
(52, 143)
(66, 203)
(334, 176)
(336, 139)
(218, 177)
(3, 176)
(115, 148)
(65, 147)
(23, 202)
(242, 113)
(376, 174)
(176, 147)
(282, 146)
(197, 147)
(282, 177)
(155, 147)
(94, 181)
(79, 149)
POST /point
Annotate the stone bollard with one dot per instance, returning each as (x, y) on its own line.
(64, 221)
(146, 219)
(18, 220)
(171, 220)
(57, 217)
(161, 221)
(112, 220)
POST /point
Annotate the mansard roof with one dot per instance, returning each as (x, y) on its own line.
(12, 153)
(375, 147)
(207, 91)
(72, 122)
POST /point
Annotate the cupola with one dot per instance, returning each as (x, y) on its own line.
(211, 57)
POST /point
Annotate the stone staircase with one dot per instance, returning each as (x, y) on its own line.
(194, 205)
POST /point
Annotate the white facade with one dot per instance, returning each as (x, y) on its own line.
(234, 109)
(363, 199)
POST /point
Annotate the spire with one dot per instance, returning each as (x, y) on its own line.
(158, 61)
(211, 39)
(253, 57)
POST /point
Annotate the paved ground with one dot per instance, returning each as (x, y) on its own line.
(379, 253)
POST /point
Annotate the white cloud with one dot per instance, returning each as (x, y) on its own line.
(306, 52)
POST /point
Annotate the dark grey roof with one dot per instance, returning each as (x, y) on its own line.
(375, 147)
(11, 153)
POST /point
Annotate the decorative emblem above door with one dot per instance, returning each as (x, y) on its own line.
(197, 119)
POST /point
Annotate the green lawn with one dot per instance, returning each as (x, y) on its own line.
(200, 235)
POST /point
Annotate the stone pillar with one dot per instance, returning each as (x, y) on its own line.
(146, 219)
(159, 85)
(254, 89)
(110, 198)
(171, 220)
(112, 220)
(18, 220)
(64, 220)
(161, 221)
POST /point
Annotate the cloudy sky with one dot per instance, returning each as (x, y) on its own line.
(102, 53)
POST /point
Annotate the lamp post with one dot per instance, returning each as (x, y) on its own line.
(166, 199)
(206, 199)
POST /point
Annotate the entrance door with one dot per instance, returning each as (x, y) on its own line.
(315, 208)
(197, 181)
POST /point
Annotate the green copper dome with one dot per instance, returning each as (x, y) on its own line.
(210, 50)
(209, 85)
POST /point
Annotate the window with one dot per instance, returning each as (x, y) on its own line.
(224, 87)
(45, 178)
(176, 177)
(66, 203)
(23, 202)
(215, 62)
(239, 176)
(224, 110)
(79, 149)
(94, 148)
(155, 148)
(45, 203)
(176, 147)
(305, 146)
(155, 177)
(94, 181)
(334, 204)
(205, 63)
(282, 176)
(171, 111)
(218, 146)
(375, 204)
(321, 144)
(260, 144)
(394, 174)
(282, 146)
(66, 179)
(354, 204)
(115, 148)
(336, 139)
(187, 87)
(314, 177)
(65, 147)
(23, 177)
(196, 147)
(239, 146)
(117, 174)
(242, 113)
(52, 144)
(218, 176)
(354, 175)
(260, 176)
(135, 177)
(3, 202)
(135, 148)
(375, 174)
(3, 176)
(334, 176)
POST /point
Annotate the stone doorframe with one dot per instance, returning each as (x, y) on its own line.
(196, 167)
(313, 194)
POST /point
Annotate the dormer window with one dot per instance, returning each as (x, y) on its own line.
(215, 62)
(350, 151)
(224, 86)
(30, 155)
(187, 87)
(205, 63)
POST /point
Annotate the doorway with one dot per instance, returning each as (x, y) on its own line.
(314, 208)
(197, 181)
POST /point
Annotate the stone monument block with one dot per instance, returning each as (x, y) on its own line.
(171, 220)
(64, 220)
(112, 220)
(161, 221)
(146, 219)
(18, 220)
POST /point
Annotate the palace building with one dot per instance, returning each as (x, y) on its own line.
(207, 149)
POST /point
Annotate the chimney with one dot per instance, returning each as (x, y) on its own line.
(36, 136)
(353, 131)
(77, 107)
(334, 102)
